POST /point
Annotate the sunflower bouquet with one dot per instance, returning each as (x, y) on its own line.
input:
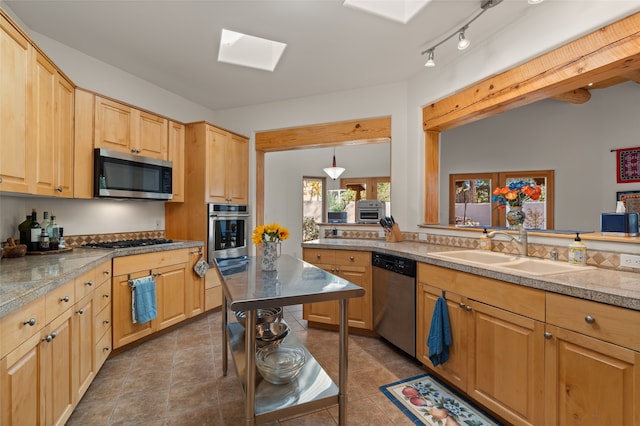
(269, 233)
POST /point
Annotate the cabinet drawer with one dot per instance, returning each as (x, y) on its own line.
(103, 321)
(605, 322)
(352, 258)
(212, 298)
(85, 284)
(102, 296)
(103, 349)
(103, 272)
(148, 261)
(319, 256)
(212, 279)
(20, 325)
(59, 300)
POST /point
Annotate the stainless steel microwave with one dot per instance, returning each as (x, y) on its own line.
(122, 175)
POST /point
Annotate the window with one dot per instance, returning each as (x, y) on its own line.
(313, 207)
(470, 198)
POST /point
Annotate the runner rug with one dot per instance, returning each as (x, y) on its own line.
(427, 401)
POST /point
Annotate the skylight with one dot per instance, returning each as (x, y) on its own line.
(249, 51)
(396, 10)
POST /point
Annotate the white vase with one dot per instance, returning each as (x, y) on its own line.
(270, 253)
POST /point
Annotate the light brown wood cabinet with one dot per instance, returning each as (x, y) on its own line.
(497, 356)
(227, 165)
(354, 266)
(172, 275)
(196, 302)
(37, 131)
(176, 156)
(123, 128)
(592, 363)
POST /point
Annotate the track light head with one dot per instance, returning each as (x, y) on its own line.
(430, 62)
(463, 42)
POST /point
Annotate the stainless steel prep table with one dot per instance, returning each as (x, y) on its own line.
(247, 288)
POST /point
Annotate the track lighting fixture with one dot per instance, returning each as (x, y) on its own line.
(463, 41)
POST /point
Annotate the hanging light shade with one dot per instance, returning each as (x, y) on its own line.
(334, 172)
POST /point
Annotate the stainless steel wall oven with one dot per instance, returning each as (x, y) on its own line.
(228, 231)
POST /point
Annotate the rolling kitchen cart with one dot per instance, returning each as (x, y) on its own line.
(247, 288)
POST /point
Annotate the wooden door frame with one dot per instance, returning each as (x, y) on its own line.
(351, 132)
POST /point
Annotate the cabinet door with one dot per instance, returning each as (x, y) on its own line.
(152, 136)
(216, 165)
(22, 401)
(58, 371)
(177, 158)
(171, 294)
(359, 312)
(455, 370)
(64, 149)
(114, 127)
(323, 312)
(84, 313)
(16, 161)
(506, 356)
(195, 286)
(44, 86)
(590, 382)
(237, 169)
(124, 330)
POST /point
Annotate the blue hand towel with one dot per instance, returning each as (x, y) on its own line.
(143, 300)
(439, 334)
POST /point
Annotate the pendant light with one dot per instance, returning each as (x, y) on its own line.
(334, 172)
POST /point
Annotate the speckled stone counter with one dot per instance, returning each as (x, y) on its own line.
(25, 279)
(619, 288)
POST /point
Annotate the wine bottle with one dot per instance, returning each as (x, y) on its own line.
(45, 221)
(54, 234)
(35, 229)
(25, 231)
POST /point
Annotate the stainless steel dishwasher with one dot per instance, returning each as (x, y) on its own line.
(394, 300)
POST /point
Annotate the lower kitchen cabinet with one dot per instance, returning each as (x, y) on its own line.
(497, 356)
(354, 266)
(592, 363)
(195, 285)
(213, 289)
(172, 273)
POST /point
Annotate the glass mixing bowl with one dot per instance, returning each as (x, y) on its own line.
(280, 364)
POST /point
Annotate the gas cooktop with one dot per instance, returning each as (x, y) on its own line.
(128, 243)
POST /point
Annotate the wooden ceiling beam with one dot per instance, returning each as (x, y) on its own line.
(605, 53)
(578, 96)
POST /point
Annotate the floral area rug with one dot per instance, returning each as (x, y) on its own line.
(427, 401)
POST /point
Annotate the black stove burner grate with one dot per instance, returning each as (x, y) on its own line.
(129, 243)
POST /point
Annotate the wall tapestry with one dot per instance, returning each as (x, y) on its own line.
(628, 160)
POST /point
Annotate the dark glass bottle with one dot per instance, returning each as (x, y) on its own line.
(25, 231)
(34, 242)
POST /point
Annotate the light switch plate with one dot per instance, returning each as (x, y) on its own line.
(422, 237)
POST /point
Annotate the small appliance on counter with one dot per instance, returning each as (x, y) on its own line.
(619, 224)
(369, 211)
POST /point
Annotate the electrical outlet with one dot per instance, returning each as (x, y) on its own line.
(422, 237)
(630, 260)
(158, 224)
(381, 234)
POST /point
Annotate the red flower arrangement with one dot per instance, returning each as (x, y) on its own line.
(516, 194)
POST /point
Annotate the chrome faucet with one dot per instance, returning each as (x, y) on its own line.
(521, 240)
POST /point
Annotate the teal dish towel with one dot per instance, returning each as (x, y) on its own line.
(439, 338)
(143, 299)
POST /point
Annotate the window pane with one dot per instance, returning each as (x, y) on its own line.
(473, 202)
(535, 211)
(312, 207)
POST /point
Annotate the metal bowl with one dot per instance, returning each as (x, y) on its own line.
(268, 333)
(280, 364)
(262, 315)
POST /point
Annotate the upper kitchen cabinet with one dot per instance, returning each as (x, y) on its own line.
(36, 127)
(120, 127)
(227, 166)
(176, 156)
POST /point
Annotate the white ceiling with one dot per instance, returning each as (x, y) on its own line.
(174, 44)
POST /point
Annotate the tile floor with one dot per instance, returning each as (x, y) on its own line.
(176, 379)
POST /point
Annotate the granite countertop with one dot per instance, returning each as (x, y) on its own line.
(25, 279)
(619, 288)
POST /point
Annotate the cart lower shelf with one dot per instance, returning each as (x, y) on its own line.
(311, 390)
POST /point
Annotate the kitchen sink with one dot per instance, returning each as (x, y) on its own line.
(509, 262)
(476, 256)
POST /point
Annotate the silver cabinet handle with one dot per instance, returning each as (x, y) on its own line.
(468, 308)
(30, 322)
(548, 335)
(106, 348)
(155, 274)
(81, 311)
(105, 322)
(65, 299)
(589, 319)
(461, 304)
(106, 295)
(351, 258)
(50, 337)
(59, 189)
(89, 283)
(106, 272)
(0, 179)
